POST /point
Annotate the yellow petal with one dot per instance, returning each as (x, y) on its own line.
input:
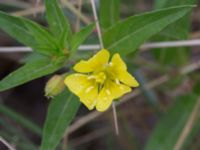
(117, 90)
(86, 90)
(127, 79)
(118, 63)
(110, 91)
(118, 70)
(95, 63)
(77, 83)
(104, 100)
(89, 96)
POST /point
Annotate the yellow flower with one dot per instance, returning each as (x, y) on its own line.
(99, 81)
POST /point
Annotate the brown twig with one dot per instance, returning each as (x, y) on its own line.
(71, 7)
(77, 27)
(65, 141)
(144, 47)
(188, 126)
(90, 136)
(6, 144)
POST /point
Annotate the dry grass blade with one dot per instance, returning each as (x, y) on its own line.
(188, 126)
(144, 47)
(6, 144)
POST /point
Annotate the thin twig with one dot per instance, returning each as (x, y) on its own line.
(29, 11)
(157, 82)
(168, 44)
(41, 9)
(144, 47)
(90, 136)
(83, 18)
(6, 143)
(97, 23)
(77, 27)
(188, 126)
(65, 141)
(19, 4)
(115, 118)
(36, 6)
(28, 49)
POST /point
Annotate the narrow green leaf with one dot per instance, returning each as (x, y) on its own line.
(28, 72)
(28, 33)
(176, 31)
(80, 36)
(170, 127)
(61, 111)
(166, 3)
(126, 36)
(196, 88)
(20, 120)
(58, 23)
(41, 36)
(109, 13)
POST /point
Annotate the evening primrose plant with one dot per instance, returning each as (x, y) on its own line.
(99, 80)
(102, 81)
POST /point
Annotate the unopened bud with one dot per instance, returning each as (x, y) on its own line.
(54, 86)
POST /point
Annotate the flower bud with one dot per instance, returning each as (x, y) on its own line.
(54, 86)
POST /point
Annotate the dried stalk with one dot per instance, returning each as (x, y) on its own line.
(6, 144)
(144, 47)
(188, 126)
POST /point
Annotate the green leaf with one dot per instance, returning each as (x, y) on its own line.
(170, 127)
(176, 31)
(109, 13)
(58, 23)
(126, 36)
(80, 36)
(61, 111)
(28, 33)
(20, 119)
(166, 3)
(28, 72)
(196, 88)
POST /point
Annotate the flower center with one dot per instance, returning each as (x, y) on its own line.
(99, 77)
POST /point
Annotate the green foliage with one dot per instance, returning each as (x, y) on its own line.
(109, 13)
(35, 36)
(28, 33)
(28, 72)
(20, 119)
(80, 37)
(61, 111)
(57, 45)
(52, 48)
(58, 23)
(196, 88)
(176, 31)
(14, 135)
(126, 36)
(170, 127)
